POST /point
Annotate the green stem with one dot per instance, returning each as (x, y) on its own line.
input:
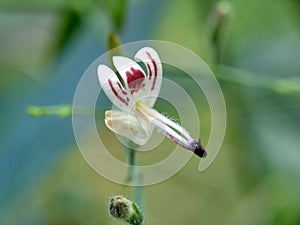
(131, 155)
(218, 25)
(135, 176)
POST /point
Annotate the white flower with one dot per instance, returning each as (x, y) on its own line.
(136, 97)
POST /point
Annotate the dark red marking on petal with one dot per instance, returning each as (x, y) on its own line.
(139, 87)
(135, 78)
(155, 70)
(150, 71)
(116, 93)
(120, 86)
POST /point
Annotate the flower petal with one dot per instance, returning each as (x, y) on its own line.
(154, 70)
(132, 74)
(113, 89)
(130, 126)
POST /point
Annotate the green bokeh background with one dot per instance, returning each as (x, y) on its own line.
(47, 45)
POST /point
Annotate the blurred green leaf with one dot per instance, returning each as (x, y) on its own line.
(62, 111)
(117, 10)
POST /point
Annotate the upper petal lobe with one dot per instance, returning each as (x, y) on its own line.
(114, 90)
(154, 71)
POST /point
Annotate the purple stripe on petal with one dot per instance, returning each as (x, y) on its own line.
(155, 70)
(150, 71)
(120, 86)
(125, 101)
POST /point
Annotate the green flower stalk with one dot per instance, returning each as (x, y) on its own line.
(218, 24)
(126, 210)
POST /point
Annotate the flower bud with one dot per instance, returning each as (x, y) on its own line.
(126, 210)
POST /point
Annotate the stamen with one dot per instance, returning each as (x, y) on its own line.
(165, 120)
(171, 134)
(165, 125)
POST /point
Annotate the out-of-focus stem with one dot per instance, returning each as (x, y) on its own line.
(62, 111)
(288, 86)
(218, 23)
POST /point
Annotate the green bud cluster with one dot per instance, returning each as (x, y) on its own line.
(126, 210)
